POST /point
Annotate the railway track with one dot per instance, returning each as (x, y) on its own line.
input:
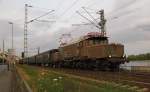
(138, 79)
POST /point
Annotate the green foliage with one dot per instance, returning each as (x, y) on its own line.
(139, 57)
(49, 81)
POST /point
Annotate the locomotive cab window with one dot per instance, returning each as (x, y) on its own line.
(99, 40)
(81, 43)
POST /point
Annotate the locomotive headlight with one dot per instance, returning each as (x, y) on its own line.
(109, 56)
(124, 56)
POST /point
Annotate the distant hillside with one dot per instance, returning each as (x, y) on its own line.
(139, 57)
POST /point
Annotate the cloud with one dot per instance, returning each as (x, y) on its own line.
(129, 24)
(137, 47)
(123, 4)
(6, 30)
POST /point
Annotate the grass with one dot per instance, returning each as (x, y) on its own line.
(42, 80)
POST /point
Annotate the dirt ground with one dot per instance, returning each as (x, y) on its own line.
(5, 81)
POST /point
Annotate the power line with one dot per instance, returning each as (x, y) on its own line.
(93, 4)
(41, 16)
(60, 3)
(88, 19)
(67, 10)
(95, 10)
(69, 7)
(26, 27)
(46, 9)
(89, 14)
(45, 21)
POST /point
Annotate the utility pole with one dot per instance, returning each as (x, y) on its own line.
(3, 46)
(102, 22)
(3, 50)
(12, 28)
(38, 50)
(12, 35)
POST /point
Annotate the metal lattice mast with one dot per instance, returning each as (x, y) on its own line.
(26, 32)
(102, 22)
(26, 27)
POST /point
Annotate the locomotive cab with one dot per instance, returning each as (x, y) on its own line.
(97, 40)
(97, 46)
(94, 38)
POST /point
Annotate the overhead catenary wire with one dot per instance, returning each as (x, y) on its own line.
(58, 5)
(46, 13)
(66, 10)
(88, 19)
(93, 3)
(26, 25)
(40, 8)
(75, 13)
(41, 16)
(69, 7)
(72, 6)
(45, 21)
(91, 9)
(61, 15)
(89, 14)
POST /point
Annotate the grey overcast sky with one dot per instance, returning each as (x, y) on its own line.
(128, 22)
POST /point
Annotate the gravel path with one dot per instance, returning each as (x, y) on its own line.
(5, 79)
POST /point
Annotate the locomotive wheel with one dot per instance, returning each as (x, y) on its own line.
(101, 65)
(114, 67)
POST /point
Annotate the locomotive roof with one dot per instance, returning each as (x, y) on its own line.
(86, 38)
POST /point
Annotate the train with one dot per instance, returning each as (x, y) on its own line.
(93, 51)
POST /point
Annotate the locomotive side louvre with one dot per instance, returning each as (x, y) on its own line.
(115, 50)
(96, 52)
(83, 49)
(104, 51)
(92, 48)
(100, 48)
